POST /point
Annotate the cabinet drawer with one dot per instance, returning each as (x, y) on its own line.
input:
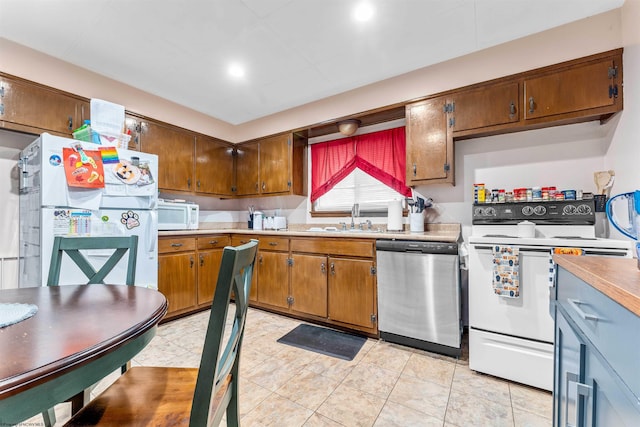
(271, 243)
(241, 239)
(179, 244)
(213, 242)
(358, 248)
(612, 329)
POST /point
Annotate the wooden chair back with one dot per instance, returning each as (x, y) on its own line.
(73, 245)
(216, 389)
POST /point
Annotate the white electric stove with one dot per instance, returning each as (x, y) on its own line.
(512, 338)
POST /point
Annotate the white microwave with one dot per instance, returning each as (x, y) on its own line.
(174, 215)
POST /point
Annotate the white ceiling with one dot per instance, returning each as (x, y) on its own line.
(295, 51)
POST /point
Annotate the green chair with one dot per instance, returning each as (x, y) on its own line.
(197, 397)
(72, 246)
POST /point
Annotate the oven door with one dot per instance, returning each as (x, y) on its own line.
(526, 316)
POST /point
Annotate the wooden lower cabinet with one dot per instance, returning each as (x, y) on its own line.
(188, 271)
(352, 289)
(209, 259)
(273, 278)
(309, 284)
(177, 280)
(325, 280)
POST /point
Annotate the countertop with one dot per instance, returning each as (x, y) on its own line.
(449, 233)
(617, 278)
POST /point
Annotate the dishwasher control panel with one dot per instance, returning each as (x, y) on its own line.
(417, 247)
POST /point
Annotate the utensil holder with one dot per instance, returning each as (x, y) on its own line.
(416, 222)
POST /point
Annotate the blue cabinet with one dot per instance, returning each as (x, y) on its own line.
(594, 385)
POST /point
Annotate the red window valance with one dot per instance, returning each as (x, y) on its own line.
(380, 154)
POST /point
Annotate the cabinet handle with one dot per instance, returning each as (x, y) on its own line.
(582, 396)
(70, 123)
(332, 267)
(575, 304)
(198, 183)
(213, 242)
(273, 243)
(512, 110)
(257, 186)
(323, 268)
(189, 182)
(191, 262)
(176, 245)
(531, 105)
(264, 186)
(415, 169)
(260, 260)
(201, 260)
(242, 242)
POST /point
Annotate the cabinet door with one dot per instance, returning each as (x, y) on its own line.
(177, 280)
(569, 360)
(174, 148)
(275, 164)
(491, 105)
(247, 170)
(214, 167)
(581, 88)
(208, 269)
(429, 143)
(36, 106)
(352, 291)
(309, 284)
(273, 278)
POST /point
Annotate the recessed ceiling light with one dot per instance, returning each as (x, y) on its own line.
(236, 71)
(363, 12)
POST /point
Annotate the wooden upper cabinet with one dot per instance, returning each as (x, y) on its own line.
(490, 105)
(247, 177)
(30, 107)
(275, 165)
(214, 167)
(429, 143)
(174, 148)
(577, 90)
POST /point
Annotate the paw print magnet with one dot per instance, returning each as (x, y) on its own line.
(130, 219)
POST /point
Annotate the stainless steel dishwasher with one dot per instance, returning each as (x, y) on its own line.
(419, 295)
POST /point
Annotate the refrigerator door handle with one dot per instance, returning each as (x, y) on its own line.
(152, 232)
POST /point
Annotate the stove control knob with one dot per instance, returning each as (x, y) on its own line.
(527, 210)
(569, 210)
(478, 212)
(539, 210)
(583, 209)
(490, 211)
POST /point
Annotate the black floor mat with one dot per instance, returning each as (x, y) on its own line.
(324, 341)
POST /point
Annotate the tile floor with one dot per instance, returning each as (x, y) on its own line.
(385, 385)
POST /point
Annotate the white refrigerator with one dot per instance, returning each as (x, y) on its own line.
(49, 207)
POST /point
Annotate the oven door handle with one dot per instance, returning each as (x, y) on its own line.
(539, 250)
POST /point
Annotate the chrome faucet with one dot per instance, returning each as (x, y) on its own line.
(355, 211)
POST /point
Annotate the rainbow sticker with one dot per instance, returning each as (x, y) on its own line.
(109, 155)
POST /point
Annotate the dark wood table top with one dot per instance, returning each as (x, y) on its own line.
(74, 326)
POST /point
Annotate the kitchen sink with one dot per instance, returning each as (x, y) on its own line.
(341, 231)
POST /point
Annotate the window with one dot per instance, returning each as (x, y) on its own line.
(367, 169)
(358, 187)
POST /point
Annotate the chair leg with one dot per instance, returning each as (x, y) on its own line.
(49, 417)
(80, 400)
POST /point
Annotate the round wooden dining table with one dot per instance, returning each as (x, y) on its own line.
(78, 335)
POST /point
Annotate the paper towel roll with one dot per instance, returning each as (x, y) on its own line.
(394, 215)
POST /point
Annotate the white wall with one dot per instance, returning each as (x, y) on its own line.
(623, 154)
